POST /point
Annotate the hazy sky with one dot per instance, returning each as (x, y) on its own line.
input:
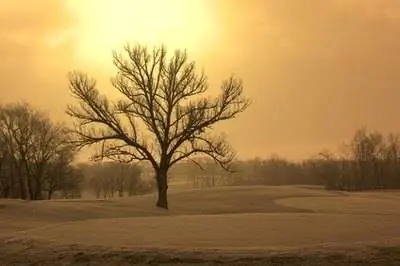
(315, 69)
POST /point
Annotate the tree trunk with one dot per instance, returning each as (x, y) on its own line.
(22, 188)
(38, 190)
(30, 188)
(38, 182)
(50, 194)
(162, 186)
(22, 180)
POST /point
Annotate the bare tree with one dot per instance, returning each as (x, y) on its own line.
(164, 116)
(17, 131)
(7, 176)
(30, 142)
(367, 150)
(109, 177)
(134, 181)
(60, 175)
(48, 143)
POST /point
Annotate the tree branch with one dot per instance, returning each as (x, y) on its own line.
(161, 96)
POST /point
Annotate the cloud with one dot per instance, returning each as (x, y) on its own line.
(316, 70)
(30, 69)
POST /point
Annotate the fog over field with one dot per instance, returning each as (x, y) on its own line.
(199, 132)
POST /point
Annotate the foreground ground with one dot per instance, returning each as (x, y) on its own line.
(240, 225)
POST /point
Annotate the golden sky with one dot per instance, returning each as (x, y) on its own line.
(315, 69)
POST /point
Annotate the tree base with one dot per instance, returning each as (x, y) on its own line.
(162, 205)
(162, 201)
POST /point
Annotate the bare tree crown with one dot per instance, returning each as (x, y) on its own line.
(163, 117)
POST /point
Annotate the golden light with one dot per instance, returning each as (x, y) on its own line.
(106, 25)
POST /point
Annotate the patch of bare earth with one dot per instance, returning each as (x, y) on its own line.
(30, 252)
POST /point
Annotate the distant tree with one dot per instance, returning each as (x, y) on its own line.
(31, 142)
(369, 161)
(95, 183)
(324, 169)
(162, 117)
(17, 123)
(134, 183)
(367, 150)
(109, 178)
(61, 175)
(7, 173)
(392, 161)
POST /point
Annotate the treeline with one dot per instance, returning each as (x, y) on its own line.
(110, 179)
(35, 158)
(369, 161)
(272, 171)
(37, 161)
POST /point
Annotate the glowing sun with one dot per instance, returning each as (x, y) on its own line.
(105, 25)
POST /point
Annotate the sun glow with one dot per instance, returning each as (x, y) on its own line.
(106, 25)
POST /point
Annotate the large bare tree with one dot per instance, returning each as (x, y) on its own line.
(163, 117)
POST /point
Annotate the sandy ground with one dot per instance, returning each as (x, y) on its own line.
(249, 223)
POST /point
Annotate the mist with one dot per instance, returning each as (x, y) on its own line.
(316, 70)
(292, 158)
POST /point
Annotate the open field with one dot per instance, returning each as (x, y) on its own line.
(265, 225)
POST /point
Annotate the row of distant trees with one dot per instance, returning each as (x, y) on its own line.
(113, 179)
(369, 161)
(35, 158)
(37, 161)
